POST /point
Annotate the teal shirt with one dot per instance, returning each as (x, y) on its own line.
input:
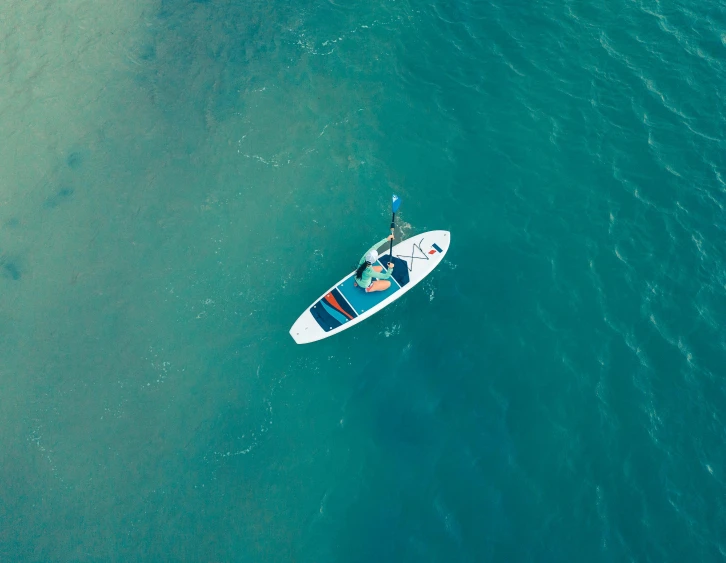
(369, 274)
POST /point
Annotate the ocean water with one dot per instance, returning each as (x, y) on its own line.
(181, 179)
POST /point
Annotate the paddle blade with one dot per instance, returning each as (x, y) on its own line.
(396, 203)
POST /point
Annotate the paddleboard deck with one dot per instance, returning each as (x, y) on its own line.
(345, 304)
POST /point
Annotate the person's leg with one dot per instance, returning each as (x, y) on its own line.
(378, 285)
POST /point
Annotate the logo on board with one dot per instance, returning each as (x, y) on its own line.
(435, 248)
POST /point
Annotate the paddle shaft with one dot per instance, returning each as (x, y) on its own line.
(393, 227)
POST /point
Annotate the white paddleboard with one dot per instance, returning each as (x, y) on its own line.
(345, 305)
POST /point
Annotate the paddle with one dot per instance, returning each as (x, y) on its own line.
(395, 206)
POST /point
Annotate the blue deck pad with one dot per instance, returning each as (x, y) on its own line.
(342, 319)
(343, 303)
(362, 301)
(400, 269)
(326, 321)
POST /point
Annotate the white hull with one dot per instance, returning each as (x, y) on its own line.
(421, 252)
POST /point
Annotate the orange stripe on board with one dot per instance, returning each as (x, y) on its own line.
(330, 299)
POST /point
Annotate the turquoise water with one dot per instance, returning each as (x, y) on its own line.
(181, 179)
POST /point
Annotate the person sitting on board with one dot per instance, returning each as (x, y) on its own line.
(369, 277)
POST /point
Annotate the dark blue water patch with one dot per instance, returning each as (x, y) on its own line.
(203, 70)
(75, 159)
(61, 196)
(379, 524)
(147, 52)
(12, 223)
(10, 269)
(399, 426)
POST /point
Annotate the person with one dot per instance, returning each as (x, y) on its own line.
(372, 278)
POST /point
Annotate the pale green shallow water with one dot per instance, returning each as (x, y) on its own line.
(179, 180)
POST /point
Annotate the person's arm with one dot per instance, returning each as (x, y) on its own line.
(374, 247)
(383, 275)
